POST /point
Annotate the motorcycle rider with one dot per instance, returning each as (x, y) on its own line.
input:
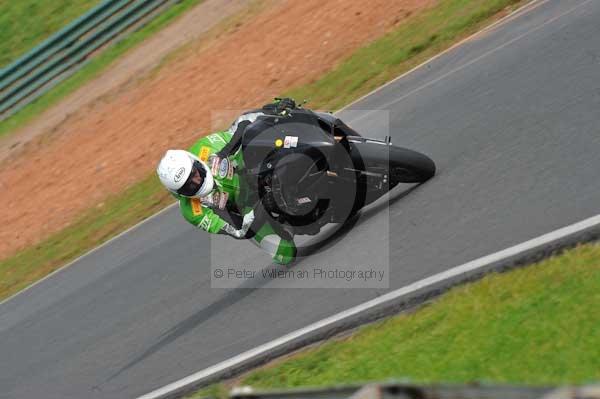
(206, 180)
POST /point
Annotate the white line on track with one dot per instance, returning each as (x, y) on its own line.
(398, 293)
(390, 297)
(516, 13)
(88, 253)
(423, 284)
(474, 60)
(525, 8)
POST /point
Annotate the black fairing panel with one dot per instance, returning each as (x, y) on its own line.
(259, 141)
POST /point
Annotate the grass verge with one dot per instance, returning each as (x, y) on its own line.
(413, 42)
(96, 226)
(25, 23)
(535, 326)
(468, 15)
(93, 68)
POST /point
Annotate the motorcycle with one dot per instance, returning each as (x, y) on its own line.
(310, 169)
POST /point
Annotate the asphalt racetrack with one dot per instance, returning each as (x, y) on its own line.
(512, 119)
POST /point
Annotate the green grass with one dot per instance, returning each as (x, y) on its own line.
(368, 67)
(536, 326)
(26, 23)
(425, 35)
(93, 68)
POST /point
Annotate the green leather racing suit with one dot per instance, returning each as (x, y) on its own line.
(211, 212)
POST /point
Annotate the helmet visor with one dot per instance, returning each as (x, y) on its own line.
(194, 182)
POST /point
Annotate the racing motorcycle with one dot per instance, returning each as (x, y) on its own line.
(310, 169)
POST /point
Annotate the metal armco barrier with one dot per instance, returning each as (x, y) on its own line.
(411, 391)
(67, 50)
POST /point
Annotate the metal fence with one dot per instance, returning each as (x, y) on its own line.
(67, 50)
(411, 391)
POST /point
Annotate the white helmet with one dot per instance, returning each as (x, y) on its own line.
(181, 172)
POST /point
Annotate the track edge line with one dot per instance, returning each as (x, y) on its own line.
(392, 302)
(530, 5)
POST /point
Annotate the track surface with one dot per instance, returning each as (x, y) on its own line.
(512, 119)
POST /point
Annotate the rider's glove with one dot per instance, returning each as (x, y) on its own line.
(241, 232)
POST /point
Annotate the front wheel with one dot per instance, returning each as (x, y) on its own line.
(408, 166)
